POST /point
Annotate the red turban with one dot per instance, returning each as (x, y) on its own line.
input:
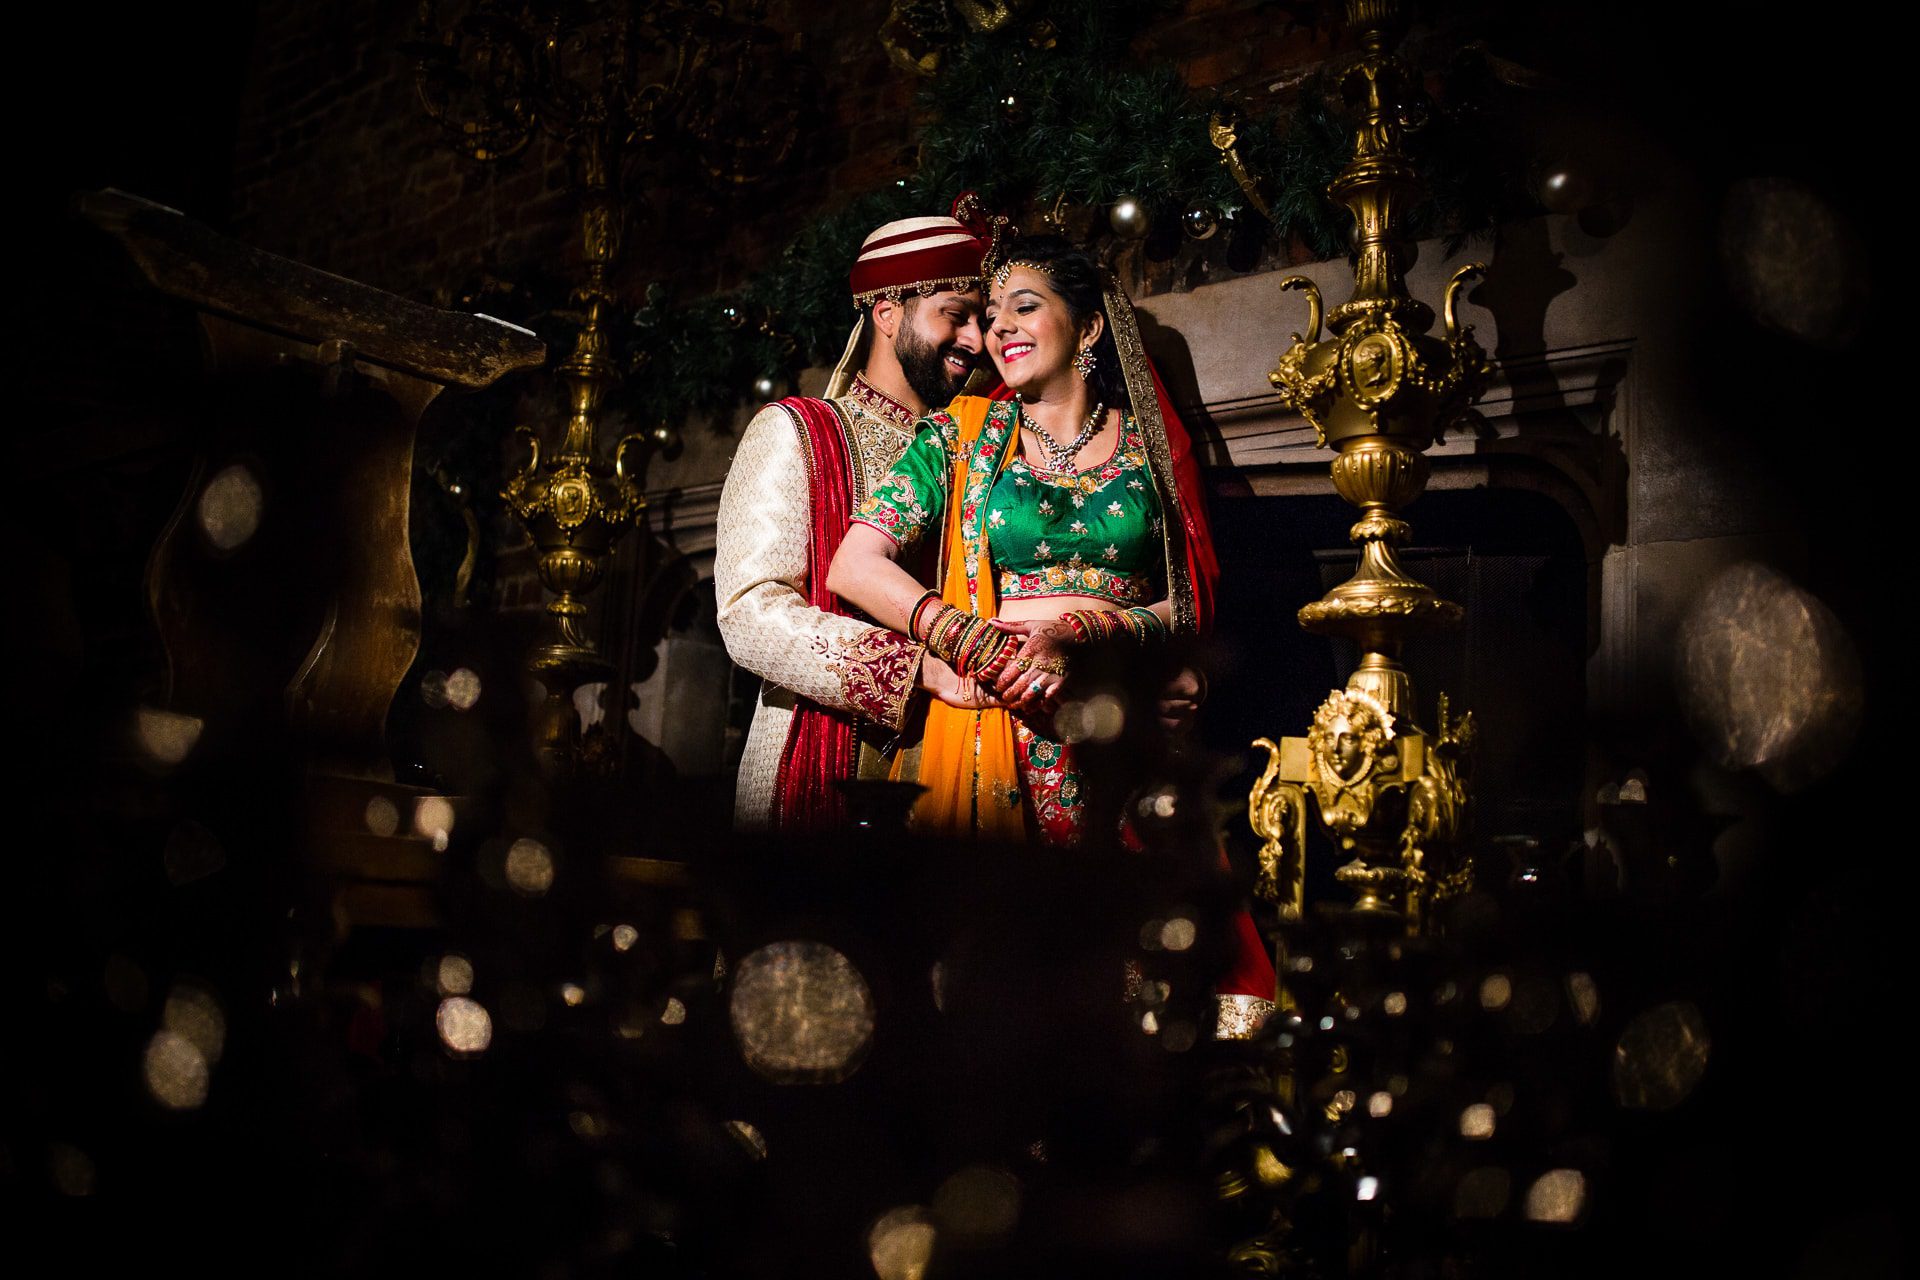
(922, 255)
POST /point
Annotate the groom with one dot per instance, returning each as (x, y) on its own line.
(835, 688)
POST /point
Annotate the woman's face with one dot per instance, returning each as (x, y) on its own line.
(1030, 334)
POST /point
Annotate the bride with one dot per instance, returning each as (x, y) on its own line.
(1078, 520)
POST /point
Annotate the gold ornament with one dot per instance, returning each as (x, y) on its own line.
(917, 33)
(1379, 389)
(1129, 218)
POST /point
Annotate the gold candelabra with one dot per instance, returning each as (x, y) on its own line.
(1379, 389)
(698, 81)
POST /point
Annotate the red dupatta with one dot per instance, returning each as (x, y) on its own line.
(821, 747)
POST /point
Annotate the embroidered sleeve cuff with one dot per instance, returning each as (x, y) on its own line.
(873, 522)
(878, 672)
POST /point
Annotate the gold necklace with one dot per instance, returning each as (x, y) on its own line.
(1060, 456)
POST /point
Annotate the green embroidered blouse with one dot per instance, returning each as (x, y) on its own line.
(1096, 533)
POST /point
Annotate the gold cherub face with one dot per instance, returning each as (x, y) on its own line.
(1347, 749)
(1350, 732)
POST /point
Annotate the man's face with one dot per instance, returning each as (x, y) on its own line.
(939, 344)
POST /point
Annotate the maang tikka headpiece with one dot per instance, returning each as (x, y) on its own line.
(994, 229)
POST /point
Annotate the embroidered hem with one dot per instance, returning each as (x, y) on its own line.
(1075, 580)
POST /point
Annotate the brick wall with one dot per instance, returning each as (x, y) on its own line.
(338, 165)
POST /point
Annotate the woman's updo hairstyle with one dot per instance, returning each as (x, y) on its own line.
(1077, 278)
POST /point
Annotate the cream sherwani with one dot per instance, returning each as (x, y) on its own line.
(760, 576)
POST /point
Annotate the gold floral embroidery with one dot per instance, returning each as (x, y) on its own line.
(878, 671)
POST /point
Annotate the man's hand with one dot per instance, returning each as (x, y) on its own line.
(1180, 700)
(963, 692)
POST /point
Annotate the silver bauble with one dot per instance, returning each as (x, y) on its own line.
(1129, 218)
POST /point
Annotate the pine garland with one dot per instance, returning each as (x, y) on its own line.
(1088, 125)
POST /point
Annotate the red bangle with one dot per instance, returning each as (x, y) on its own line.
(913, 614)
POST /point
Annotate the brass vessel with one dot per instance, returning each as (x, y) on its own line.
(572, 506)
(1378, 388)
(697, 81)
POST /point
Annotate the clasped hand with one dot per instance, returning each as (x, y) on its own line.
(1028, 684)
(1033, 691)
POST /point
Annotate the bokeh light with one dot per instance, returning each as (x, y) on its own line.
(1367, 1188)
(194, 1015)
(167, 737)
(1097, 719)
(229, 507)
(453, 976)
(433, 818)
(624, 936)
(1584, 995)
(1394, 1004)
(572, 994)
(900, 1244)
(529, 867)
(801, 1012)
(674, 1014)
(382, 816)
(1768, 677)
(979, 1203)
(1661, 1056)
(1380, 1104)
(433, 689)
(1557, 1196)
(463, 689)
(464, 1026)
(1792, 261)
(1495, 990)
(1476, 1121)
(749, 1137)
(1177, 934)
(176, 1072)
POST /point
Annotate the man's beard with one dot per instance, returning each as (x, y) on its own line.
(925, 368)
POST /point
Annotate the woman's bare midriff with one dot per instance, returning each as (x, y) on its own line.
(1050, 607)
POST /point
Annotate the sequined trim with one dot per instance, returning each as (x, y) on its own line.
(1146, 409)
(1240, 1017)
(925, 288)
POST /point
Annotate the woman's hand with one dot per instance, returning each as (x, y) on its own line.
(962, 692)
(1030, 681)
